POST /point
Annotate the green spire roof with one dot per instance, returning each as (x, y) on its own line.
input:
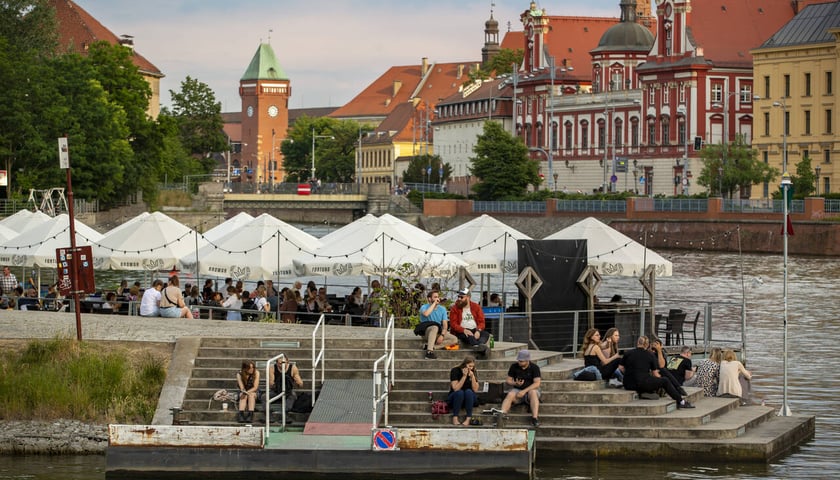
(264, 66)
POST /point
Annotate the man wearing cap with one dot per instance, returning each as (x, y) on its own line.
(524, 377)
(466, 320)
(435, 324)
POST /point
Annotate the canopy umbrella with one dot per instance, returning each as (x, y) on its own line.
(35, 247)
(258, 250)
(611, 253)
(486, 244)
(7, 234)
(230, 225)
(378, 246)
(148, 242)
(24, 219)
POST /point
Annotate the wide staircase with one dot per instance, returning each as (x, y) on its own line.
(575, 416)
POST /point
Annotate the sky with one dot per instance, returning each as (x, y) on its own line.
(329, 49)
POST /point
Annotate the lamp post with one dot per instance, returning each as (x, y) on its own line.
(817, 170)
(785, 122)
(786, 184)
(515, 83)
(683, 110)
(607, 122)
(313, 149)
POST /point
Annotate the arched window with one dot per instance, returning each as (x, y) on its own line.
(666, 129)
(618, 133)
(584, 134)
(569, 138)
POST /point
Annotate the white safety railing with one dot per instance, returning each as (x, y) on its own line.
(384, 380)
(318, 354)
(269, 365)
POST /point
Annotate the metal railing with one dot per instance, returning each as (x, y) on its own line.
(318, 355)
(614, 206)
(382, 383)
(832, 205)
(269, 399)
(484, 206)
(289, 188)
(680, 205)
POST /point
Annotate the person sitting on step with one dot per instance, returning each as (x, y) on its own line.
(680, 365)
(466, 320)
(641, 373)
(593, 355)
(463, 384)
(289, 372)
(434, 325)
(248, 380)
(525, 378)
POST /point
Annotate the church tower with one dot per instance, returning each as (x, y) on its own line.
(265, 90)
(535, 23)
(491, 39)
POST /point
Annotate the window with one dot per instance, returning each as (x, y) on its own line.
(651, 96)
(651, 132)
(681, 133)
(766, 86)
(717, 93)
(829, 84)
(666, 130)
(602, 134)
(787, 123)
(568, 128)
(634, 135)
(828, 126)
(766, 124)
(617, 133)
(826, 158)
(746, 94)
(787, 86)
(584, 136)
(552, 135)
(807, 122)
(807, 84)
(666, 95)
(683, 88)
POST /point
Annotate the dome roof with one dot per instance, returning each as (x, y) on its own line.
(491, 23)
(626, 36)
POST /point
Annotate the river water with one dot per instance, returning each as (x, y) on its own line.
(813, 338)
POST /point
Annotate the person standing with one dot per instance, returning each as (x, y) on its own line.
(150, 302)
(525, 378)
(234, 304)
(466, 320)
(9, 281)
(434, 325)
(462, 387)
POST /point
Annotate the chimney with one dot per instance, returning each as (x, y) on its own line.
(460, 70)
(397, 86)
(127, 41)
(424, 66)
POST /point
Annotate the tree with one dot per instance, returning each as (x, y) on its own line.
(417, 170)
(199, 118)
(732, 166)
(804, 180)
(29, 26)
(502, 165)
(335, 149)
(501, 64)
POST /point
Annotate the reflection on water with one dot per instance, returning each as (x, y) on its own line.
(698, 278)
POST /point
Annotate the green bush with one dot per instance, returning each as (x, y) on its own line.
(62, 378)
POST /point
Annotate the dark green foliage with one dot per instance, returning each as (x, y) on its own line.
(502, 165)
(417, 170)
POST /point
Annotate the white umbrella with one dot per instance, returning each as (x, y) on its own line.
(36, 246)
(378, 246)
(230, 225)
(147, 242)
(486, 244)
(611, 252)
(22, 220)
(261, 249)
(7, 234)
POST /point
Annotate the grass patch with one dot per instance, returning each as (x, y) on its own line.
(174, 198)
(63, 378)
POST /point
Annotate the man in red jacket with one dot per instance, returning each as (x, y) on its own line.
(466, 321)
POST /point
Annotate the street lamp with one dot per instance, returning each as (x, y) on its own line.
(607, 122)
(785, 123)
(515, 105)
(786, 184)
(683, 110)
(817, 169)
(313, 149)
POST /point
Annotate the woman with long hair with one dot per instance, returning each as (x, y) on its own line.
(707, 373)
(609, 342)
(234, 303)
(463, 384)
(593, 356)
(248, 380)
(731, 371)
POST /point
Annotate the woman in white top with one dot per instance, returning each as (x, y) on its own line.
(234, 303)
(172, 301)
(730, 371)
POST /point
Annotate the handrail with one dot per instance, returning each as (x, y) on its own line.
(319, 358)
(269, 399)
(382, 386)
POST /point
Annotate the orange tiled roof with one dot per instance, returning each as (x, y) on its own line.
(570, 39)
(727, 30)
(399, 85)
(77, 29)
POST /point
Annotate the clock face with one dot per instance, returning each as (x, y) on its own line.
(272, 111)
(250, 111)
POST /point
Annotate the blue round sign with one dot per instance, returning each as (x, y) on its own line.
(384, 440)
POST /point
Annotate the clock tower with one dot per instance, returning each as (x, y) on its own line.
(265, 91)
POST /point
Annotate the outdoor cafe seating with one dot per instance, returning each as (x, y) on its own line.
(671, 326)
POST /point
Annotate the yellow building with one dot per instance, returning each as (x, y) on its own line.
(795, 104)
